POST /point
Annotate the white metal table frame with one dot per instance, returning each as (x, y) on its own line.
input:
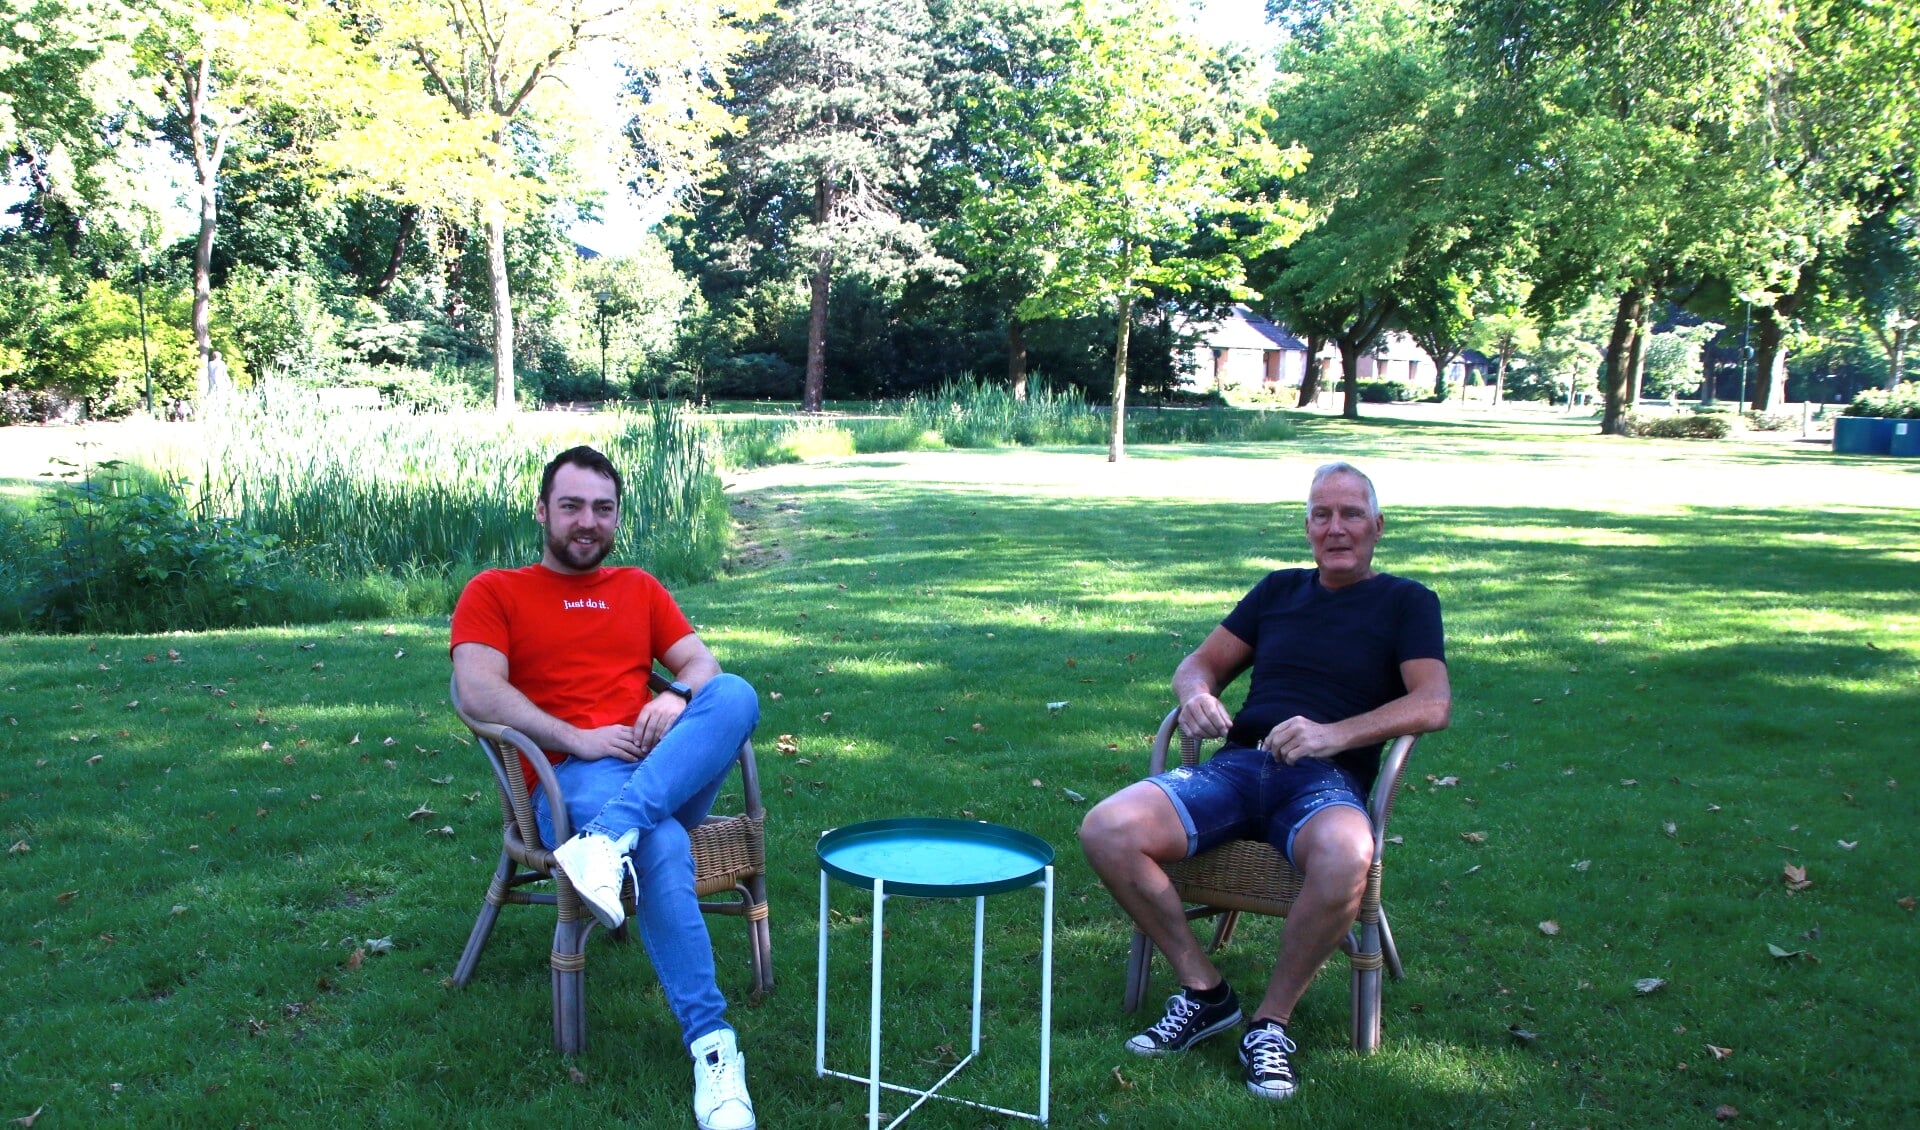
(872, 1078)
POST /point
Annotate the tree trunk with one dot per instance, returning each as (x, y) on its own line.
(206, 167)
(813, 395)
(1117, 446)
(1897, 359)
(1500, 373)
(1310, 378)
(409, 220)
(502, 312)
(1709, 380)
(1616, 369)
(1637, 357)
(1017, 357)
(1350, 350)
(1769, 386)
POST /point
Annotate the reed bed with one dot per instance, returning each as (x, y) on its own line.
(356, 493)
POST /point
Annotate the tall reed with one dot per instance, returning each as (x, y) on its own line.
(358, 493)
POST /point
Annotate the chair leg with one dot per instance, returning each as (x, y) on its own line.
(1139, 966)
(1223, 930)
(1388, 950)
(569, 985)
(483, 925)
(1365, 960)
(760, 933)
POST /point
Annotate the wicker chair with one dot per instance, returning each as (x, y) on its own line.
(1248, 875)
(729, 856)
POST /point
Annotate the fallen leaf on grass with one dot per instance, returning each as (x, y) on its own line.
(1906, 904)
(786, 744)
(355, 740)
(1443, 782)
(1396, 839)
(1726, 1112)
(355, 958)
(1521, 1034)
(30, 1119)
(1583, 864)
(1474, 837)
(1670, 828)
(1647, 985)
(826, 716)
(978, 728)
(1628, 782)
(380, 945)
(575, 1075)
(390, 742)
(1795, 877)
(94, 760)
(421, 813)
(1036, 783)
(446, 831)
(65, 897)
(20, 847)
(1785, 954)
(1847, 845)
(1550, 927)
(1073, 796)
(1718, 1053)
(1125, 1083)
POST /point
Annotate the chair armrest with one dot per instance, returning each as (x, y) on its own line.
(750, 782)
(506, 738)
(1386, 787)
(1157, 760)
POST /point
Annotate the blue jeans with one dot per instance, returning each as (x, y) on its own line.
(660, 798)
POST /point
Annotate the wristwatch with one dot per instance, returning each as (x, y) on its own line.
(660, 684)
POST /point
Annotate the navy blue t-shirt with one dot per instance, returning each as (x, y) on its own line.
(1329, 655)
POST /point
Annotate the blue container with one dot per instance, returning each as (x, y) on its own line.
(1905, 439)
(1863, 435)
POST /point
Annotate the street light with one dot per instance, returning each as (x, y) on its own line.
(600, 299)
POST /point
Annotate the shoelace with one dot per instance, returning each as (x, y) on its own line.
(723, 1082)
(1268, 1049)
(1179, 1008)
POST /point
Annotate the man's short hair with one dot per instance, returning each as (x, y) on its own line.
(1328, 470)
(584, 457)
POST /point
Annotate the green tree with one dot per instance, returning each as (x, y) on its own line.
(526, 81)
(840, 114)
(1161, 144)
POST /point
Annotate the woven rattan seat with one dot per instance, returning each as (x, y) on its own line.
(1249, 876)
(729, 855)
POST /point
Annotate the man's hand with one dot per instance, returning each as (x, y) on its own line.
(1204, 716)
(617, 742)
(656, 718)
(1298, 738)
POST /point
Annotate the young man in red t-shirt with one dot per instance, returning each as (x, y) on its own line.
(562, 651)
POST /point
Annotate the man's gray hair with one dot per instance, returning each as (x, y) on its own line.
(1328, 470)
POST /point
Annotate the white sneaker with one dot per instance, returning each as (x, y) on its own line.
(720, 1099)
(594, 865)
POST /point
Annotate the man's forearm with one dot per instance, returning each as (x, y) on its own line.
(497, 701)
(1414, 713)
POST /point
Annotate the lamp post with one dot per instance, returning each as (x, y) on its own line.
(600, 300)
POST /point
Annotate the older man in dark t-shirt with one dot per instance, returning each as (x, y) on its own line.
(1343, 658)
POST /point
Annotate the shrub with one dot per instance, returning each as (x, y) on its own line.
(129, 554)
(1902, 402)
(1389, 392)
(1769, 421)
(1677, 427)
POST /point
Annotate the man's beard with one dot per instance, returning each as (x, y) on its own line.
(565, 551)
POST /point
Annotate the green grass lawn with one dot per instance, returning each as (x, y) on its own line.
(1662, 700)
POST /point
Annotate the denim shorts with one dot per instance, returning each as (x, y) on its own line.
(1248, 794)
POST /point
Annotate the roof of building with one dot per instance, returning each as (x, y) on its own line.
(1241, 328)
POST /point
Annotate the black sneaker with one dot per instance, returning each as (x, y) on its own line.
(1186, 1023)
(1263, 1052)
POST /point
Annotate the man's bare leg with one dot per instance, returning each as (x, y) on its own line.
(1126, 838)
(1333, 850)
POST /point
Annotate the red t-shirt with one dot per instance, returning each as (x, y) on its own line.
(578, 646)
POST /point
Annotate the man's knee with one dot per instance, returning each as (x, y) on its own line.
(1335, 850)
(1131, 822)
(731, 693)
